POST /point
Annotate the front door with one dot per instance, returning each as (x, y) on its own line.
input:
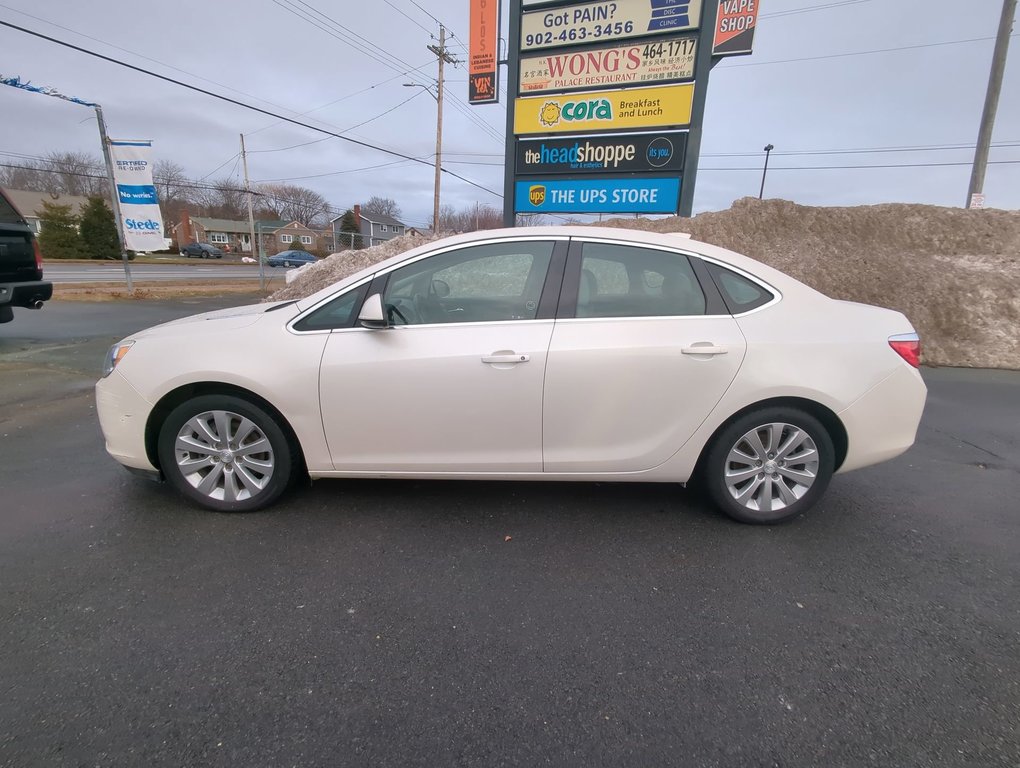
(455, 384)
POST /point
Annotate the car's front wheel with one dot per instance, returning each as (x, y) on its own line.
(769, 465)
(225, 454)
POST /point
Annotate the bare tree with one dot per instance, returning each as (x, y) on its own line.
(28, 175)
(170, 180)
(77, 173)
(293, 203)
(468, 219)
(387, 206)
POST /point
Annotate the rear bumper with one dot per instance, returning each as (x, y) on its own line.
(883, 423)
(25, 294)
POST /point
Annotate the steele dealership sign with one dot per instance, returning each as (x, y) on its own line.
(659, 61)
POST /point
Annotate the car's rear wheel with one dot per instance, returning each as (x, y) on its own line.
(769, 465)
(225, 454)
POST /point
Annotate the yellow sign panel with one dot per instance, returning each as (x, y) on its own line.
(605, 110)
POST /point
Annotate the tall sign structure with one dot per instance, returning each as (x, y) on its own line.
(607, 101)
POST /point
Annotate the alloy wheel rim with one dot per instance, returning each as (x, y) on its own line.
(224, 455)
(771, 467)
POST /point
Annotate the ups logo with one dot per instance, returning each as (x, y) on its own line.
(536, 195)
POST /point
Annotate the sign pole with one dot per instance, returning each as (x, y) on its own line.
(513, 57)
(702, 66)
(114, 196)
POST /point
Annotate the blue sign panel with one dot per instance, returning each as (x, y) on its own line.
(597, 196)
(137, 194)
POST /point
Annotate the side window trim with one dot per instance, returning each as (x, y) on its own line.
(571, 282)
(552, 289)
(714, 302)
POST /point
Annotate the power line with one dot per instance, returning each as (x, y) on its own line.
(327, 138)
(146, 58)
(342, 98)
(857, 167)
(235, 102)
(857, 53)
(409, 18)
(809, 9)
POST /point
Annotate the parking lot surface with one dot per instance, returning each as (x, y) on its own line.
(488, 624)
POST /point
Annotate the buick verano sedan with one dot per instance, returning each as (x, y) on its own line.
(550, 353)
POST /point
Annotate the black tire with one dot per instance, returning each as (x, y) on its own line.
(281, 455)
(766, 503)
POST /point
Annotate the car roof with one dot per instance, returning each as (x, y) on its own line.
(677, 241)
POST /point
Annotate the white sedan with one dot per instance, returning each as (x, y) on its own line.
(547, 353)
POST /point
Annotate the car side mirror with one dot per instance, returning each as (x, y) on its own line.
(372, 314)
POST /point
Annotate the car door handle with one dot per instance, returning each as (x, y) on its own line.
(704, 349)
(508, 357)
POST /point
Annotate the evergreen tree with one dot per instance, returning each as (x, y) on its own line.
(99, 231)
(348, 224)
(58, 232)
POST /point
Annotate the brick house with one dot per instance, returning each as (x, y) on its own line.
(227, 234)
(234, 236)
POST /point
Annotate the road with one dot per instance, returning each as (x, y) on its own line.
(109, 272)
(393, 624)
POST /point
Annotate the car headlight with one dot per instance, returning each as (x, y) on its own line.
(114, 356)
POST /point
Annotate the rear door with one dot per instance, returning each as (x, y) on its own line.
(640, 355)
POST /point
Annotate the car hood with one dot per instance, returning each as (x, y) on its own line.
(222, 319)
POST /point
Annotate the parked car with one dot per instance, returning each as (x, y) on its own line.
(548, 353)
(21, 272)
(291, 259)
(201, 251)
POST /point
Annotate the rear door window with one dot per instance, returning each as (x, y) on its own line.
(739, 293)
(629, 281)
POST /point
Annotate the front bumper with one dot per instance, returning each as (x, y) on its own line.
(123, 413)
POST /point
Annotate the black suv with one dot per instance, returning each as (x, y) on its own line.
(21, 283)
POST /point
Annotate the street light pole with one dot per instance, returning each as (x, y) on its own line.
(768, 149)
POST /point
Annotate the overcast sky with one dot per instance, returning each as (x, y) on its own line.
(259, 52)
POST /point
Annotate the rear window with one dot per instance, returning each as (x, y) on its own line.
(739, 293)
(7, 213)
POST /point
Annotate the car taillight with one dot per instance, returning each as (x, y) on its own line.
(38, 254)
(907, 346)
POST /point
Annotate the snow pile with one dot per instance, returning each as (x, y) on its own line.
(955, 273)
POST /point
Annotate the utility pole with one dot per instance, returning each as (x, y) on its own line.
(251, 219)
(977, 175)
(444, 58)
(114, 196)
(767, 150)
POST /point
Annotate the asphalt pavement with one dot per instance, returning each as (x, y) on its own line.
(492, 624)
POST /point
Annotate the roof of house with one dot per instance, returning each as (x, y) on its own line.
(381, 218)
(30, 204)
(270, 225)
(221, 225)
